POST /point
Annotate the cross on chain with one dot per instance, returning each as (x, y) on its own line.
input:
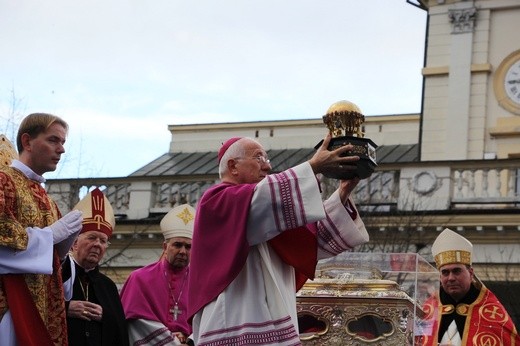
(175, 311)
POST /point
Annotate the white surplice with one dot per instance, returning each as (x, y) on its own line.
(146, 332)
(263, 294)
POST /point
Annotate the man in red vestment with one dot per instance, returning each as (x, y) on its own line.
(464, 312)
(33, 238)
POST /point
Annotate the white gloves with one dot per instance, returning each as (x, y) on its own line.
(66, 226)
(65, 231)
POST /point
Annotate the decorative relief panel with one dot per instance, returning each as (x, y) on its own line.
(463, 20)
(354, 322)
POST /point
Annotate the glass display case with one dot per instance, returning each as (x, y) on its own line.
(366, 299)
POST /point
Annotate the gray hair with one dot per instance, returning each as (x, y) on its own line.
(235, 150)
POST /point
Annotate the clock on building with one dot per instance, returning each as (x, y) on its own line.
(507, 83)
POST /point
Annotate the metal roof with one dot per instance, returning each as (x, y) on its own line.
(205, 163)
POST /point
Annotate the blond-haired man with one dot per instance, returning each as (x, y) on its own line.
(33, 238)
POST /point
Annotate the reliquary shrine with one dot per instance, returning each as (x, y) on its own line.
(366, 299)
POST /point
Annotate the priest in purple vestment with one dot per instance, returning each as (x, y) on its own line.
(258, 237)
(155, 297)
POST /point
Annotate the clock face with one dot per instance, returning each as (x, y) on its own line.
(512, 82)
(507, 83)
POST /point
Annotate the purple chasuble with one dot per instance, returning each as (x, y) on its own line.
(220, 246)
(146, 295)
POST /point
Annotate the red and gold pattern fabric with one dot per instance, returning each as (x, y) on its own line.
(7, 151)
(24, 203)
(487, 322)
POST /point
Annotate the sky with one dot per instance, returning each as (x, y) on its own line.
(120, 71)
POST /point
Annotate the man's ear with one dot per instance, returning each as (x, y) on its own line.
(26, 139)
(232, 166)
(74, 245)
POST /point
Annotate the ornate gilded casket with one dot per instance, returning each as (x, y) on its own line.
(366, 299)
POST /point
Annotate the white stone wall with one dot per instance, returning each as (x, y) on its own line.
(460, 108)
(427, 188)
(290, 134)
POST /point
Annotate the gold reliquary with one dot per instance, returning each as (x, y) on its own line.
(345, 123)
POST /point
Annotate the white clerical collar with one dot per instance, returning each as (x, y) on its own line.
(29, 173)
(75, 261)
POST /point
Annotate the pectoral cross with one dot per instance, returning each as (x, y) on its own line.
(175, 311)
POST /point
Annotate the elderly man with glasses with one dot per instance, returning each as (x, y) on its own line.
(258, 237)
(95, 315)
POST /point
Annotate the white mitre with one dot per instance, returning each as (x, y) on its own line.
(178, 222)
(450, 247)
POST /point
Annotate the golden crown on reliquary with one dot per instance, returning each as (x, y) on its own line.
(345, 123)
(344, 118)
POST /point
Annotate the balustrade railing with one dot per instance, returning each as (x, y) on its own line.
(470, 184)
(170, 194)
(484, 185)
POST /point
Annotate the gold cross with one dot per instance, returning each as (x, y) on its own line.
(493, 313)
(185, 216)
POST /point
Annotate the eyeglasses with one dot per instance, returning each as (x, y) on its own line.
(180, 245)
(91, 238)
(260, 158)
